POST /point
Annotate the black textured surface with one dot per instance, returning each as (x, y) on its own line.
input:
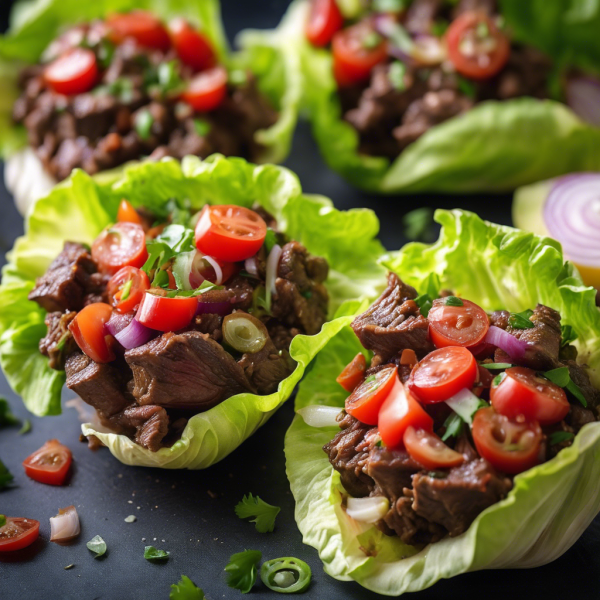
(191, 513)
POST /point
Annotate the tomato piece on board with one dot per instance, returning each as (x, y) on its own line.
(399, 412)
(324, 20)
(75, 72)
(122, 245)
(230, 233)
(193, 48)
(128, 214)
(166, 314)
(353, 57)
(476, 47)
(366, 400)
(142, 26)
(50, 464)
(428, 450)
(88, 330)
(451, 325)
(443, 373)
(512, 446)
(523, 392)
(126, 288)
(207, 90)
(18, 533)
(353, 372)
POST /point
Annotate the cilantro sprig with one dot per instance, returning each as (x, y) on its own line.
(264, 514)
(185, 589)
(242, 569)
(562, 378)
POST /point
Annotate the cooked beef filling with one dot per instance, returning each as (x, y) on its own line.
(426, 504)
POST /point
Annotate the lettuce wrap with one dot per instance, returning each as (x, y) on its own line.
(35, 24)
(549, 506)
(497, 145)
(78, 210)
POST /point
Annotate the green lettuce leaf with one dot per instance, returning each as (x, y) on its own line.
(550, 505)
(495, 147)
(81, 207)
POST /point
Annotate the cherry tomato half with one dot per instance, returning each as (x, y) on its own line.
(128, 214)
(207, 90)
(18, 533)
(166, 314)
(50, 464)
(230, 233)
(88, 330)
(399, 412)
(75, 72)
(126, 288)
(203, 269)
(144, 27)
(353, 373)
(192, 47)
(510, 446)
(366, 400)
(428, 450)
(443, 373)
(122, 245)
(353, 60)
(476, 47)
(464, 325)
(523, 392)
(323, 21)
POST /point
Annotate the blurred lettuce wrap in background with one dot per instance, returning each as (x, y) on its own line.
(34, 24)
(80, 208)
(549, 506)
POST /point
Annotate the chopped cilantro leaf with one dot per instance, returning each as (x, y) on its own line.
(242, 569)
(143, 124)
(202, 127)
(168, 77)
(521, 320)
(185, 589)
(97, 545)
(424, 302)
(568, 335)
(397, 74)
(6, 417)
(418, 224)
(467, 88)
(453, 301)
(454, 426)
(5, 476)
(558, 437)
(270, 240)
(264, 514)
(152, 553)
(562, 378)
(26, 427)
(439, 27)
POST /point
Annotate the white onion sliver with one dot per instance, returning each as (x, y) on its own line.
(182, 267)
(464, 404)
(65, 525)
(217, 267)
(368, 510)
(250, 266)
(272, 264)
(320, 416)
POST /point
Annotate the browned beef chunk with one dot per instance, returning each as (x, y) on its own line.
(186, 370)
(580, 378)
(267, 368)
(488, 7)
(393, 322)
(499, 318)
(64, 285)
(209, 324)
(579, 416)
(59, 342)
(242, 291)
(348, 453)
(391, 470)
(281, 335)
(148, 425)
(421, 15)
(598, 297)
(96, 288)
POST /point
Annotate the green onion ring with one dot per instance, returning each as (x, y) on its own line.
(274, 574)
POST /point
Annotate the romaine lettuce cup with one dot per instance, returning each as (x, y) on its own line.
(78, 210)
(35, 24)
(550, 505)
(496, 146)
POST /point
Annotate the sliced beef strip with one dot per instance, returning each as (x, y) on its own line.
(187, 370)
(148, 425)
(58, 342)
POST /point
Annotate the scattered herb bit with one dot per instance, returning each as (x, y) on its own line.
(242, 569)
(180, 212)
(558, 437)
(26, 427)
(152, 553)
(130, 519)
(424, 302)
(270, 240)
(105, 52)
(185, 589)
(568, 335)
(432, 285)
(494, 366)
(370, 379)
(6, 417)
(168, 77)
(202, 127)
(397, 74)
(418, 224)
(562, 378)
(264, 514)
(453, 301)
(389, 5)
(69, 567)
(439, 27)
(97, 545)
(467, 88)
(286, 575)
(521, 320)
(143, 124)
(454, 426)
(2, 520)
(5, 476)
(371, 40)
(498, 379)
(238, 77)
(380, 444)
(121, 88)
(483, 31)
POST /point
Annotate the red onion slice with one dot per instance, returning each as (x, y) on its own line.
(583, 96)
(65, 525)
(135, 335)
(513, 346)
(118, 322)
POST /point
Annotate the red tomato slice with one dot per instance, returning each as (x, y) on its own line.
(128, 214)
(50, 464)
(88, 330)
(323, 21)
(428, 450)
(230, 233)
(353, 373)
(207, 90)
(352, 60)
(142, 26)
(126, 288)
(166, 314)
(477, 47)
(75, 72)
(523, 392)
(122, 245)
(443, 373)
(192, 47)
(510, 446)
(18, 533)
(464, 325)
(366, 400)
(399, 412)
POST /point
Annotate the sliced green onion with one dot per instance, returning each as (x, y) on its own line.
(286, 575)
(126, 290)
(244, 333)
(494, 366)
(396, 75)
(202, 127)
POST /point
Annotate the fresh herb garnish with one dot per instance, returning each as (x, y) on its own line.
(264, 514)
(143, 124)
(562, 378)
(121, 88)
(454, 426)
(202, 127)
(498, 379)
(370, 379)
(5, 476)
(437, 474)
(242, 569)
(380, 444)
(467, 88)
(97, 545)
(126, 290)
(453, 301)
(371, 40)
(418, 224)
(7, 419)
(168, 76)
(152, 553)
(178, 238)
(424, 302)
(2, 520)
(180, 212)
(270, 240)
(439, 27)
(396, 75)
(185, 589)
(238, 77)
(521, 320)
(384, 6)
(26, 427)
(558, 437)
(567, 335)
(494, 366)
(482, 30)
